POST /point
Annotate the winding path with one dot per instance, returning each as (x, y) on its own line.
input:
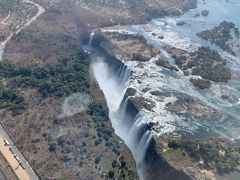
(5, 19)
(41, 10)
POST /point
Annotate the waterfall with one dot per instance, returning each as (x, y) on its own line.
(142, 148)
(91, 39)
(128, 123)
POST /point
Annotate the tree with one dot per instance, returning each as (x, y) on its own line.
(111, 174)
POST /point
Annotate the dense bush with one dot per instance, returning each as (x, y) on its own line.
(98, 141)
(52, 147)
(216, 153)
(97, 160)
(114, 164)
(68, 76)
(9, 99)
(111, 174)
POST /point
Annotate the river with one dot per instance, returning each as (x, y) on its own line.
(156, 78)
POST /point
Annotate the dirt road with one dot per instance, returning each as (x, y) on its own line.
(12, 164)
(41, 10)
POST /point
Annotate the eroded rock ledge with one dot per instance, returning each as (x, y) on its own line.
(128, 47)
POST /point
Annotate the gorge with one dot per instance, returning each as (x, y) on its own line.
(142, 111)
(142, 97)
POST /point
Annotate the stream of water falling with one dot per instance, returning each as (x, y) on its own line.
(91, 39)
(114, 84)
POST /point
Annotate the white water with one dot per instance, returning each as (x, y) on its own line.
(158, 78)
(91, 39)
(114, 87)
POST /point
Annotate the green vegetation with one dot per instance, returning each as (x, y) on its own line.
(206, 63)
(111, 174)
(97, 142)
(6, 6)
(104, 132)
(67, 77)
(114, 164)
(11, 100)
(97, 160)
(217, 154)
(52, 147)
(125, 36)
(210, 65)
(100, 118)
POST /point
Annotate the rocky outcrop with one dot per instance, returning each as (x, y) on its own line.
(190, 107)
(128, 47)
(204, 13)
(204, 62)
(166, 65)
(225, 35)
(201, 83)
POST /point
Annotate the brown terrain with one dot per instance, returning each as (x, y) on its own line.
(128, 47)
(98, 13)
(40, 35)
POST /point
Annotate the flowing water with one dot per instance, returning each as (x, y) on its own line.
(184, 37)
(91, 39)
(114, 81)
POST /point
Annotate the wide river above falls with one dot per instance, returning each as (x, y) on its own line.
(156, 78)
(184, 37)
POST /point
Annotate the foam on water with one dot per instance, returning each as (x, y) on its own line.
(184, 37)
(144, 75)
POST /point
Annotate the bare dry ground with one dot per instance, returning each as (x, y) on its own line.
(69, 147)
(98, 13)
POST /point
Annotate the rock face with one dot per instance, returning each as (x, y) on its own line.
(181, 23)
(131, 92)
(142, 103)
